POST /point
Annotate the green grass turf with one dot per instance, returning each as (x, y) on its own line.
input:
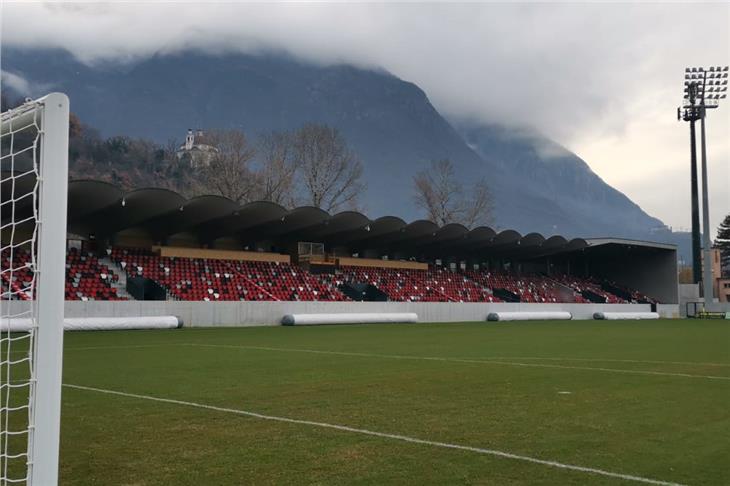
(665, 427)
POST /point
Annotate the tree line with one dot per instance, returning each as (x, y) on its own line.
(312, 165)
(722, 243)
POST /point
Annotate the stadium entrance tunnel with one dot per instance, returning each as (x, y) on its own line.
(363, 292)
(142, 288)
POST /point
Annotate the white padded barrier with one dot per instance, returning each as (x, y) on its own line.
(530, 316)
(349, 318)
(613, 316)
(99, 323)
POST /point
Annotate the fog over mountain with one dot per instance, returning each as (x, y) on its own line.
(603, 79)
(537, 185)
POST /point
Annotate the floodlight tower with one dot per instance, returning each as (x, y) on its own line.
(704, 88)
(690, 112)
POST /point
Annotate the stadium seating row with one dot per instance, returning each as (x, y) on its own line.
(224, 280)
(432, 285)
(211, 280)
(86, 277)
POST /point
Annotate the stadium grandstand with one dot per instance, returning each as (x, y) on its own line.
(156, 245)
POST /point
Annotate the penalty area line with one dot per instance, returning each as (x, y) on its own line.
(487, 361)
(384, 435)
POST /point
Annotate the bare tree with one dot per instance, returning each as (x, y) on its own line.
(329, 172)
(438, 192)
(478, 206)
(277, 168)
(226, 171)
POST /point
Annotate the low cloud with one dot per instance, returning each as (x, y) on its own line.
(16, 82)
(578, 73)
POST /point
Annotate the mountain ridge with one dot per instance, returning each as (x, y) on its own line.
(537, 184)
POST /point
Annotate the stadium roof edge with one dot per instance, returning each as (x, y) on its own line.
(594, 242)
(103, 208)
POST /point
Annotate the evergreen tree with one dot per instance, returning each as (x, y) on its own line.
(722, 241)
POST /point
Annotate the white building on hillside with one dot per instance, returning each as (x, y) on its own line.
(195, 151)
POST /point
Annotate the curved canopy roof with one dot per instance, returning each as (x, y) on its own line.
(103, 209)
(192, 213)
(342, 224)
(133, 209)
(89, 196)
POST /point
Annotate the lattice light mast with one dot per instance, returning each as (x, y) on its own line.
(703, 90)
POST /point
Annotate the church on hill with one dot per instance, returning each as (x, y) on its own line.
(195, 151)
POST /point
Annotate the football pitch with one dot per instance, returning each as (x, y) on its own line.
(464, 403)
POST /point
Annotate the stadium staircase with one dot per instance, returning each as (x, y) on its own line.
(119, 284)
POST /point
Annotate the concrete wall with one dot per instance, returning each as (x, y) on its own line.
(669, 310)
(688, 293)
(270, 313)
(652, 272)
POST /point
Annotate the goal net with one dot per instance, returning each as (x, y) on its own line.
(33, 190)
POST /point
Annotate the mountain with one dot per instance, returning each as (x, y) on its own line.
(390, 123)
(539, 177)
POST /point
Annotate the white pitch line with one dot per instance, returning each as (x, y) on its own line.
(484, 359)
(91, 348)
(610, 360)
(403, 438)
(121, 346)
(460, 360)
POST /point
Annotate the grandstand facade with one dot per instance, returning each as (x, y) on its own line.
(152, 250)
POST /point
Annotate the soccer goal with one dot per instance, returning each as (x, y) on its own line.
(33, 189)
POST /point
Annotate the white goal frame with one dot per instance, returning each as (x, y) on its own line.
(51, 114)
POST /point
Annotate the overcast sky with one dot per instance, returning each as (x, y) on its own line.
(602, 79)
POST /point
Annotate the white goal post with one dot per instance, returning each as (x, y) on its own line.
(33, 193)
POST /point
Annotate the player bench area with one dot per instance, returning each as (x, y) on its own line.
(713, 315)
